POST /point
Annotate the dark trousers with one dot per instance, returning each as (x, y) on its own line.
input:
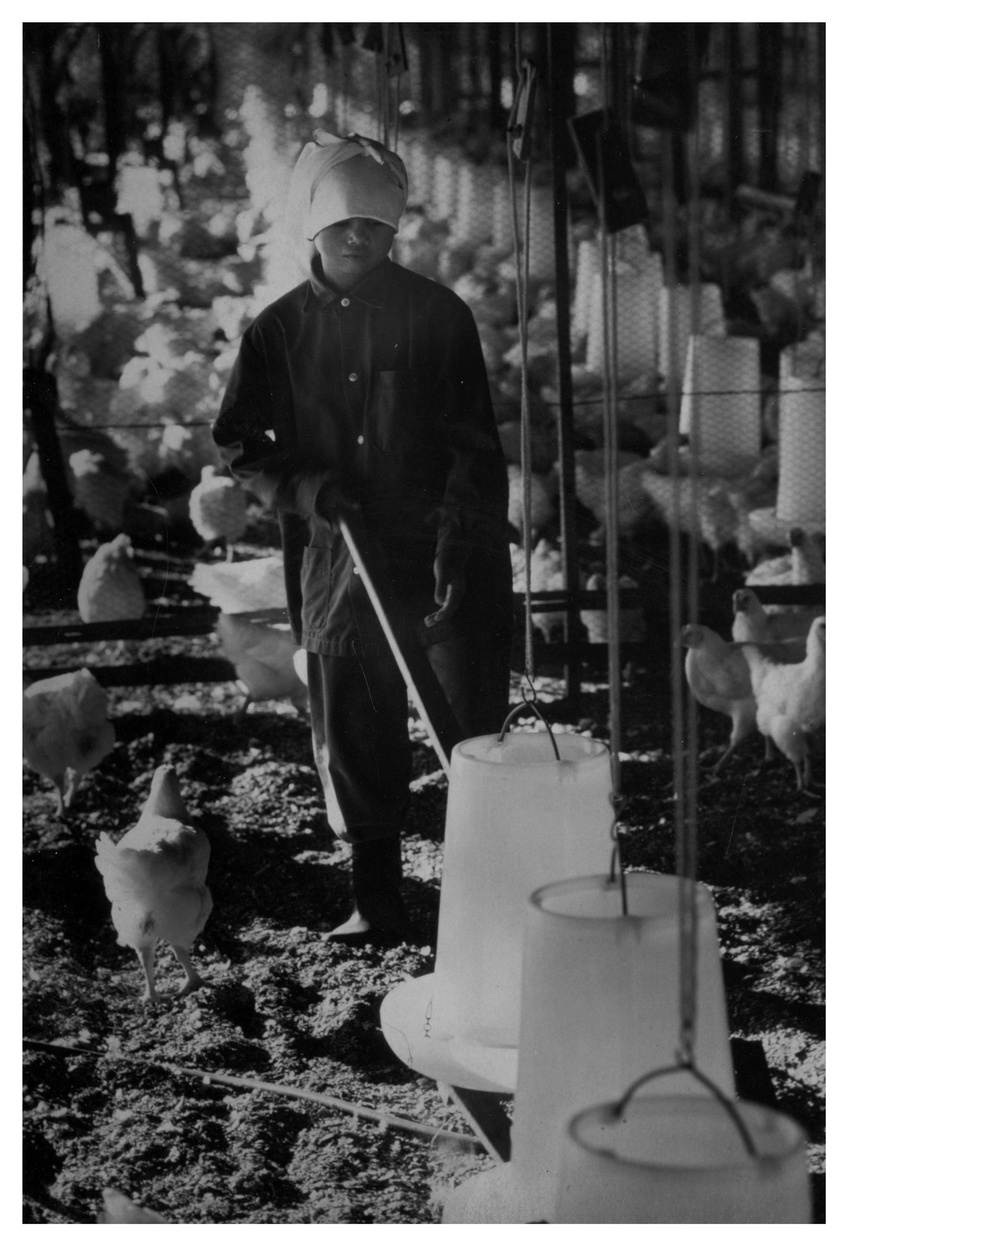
(361, 741)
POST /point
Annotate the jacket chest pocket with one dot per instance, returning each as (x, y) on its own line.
(394, 412)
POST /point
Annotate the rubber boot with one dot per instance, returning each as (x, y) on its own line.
(376, 879)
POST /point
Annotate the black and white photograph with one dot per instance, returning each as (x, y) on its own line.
(424, 549)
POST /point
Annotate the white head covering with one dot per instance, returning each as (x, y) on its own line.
(336, 178)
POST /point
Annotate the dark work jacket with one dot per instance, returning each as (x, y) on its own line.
(381, 393)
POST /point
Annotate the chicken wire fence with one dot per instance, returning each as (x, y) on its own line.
(157, 164)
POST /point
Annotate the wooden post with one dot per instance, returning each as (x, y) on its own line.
(733, 80)
(769, 49)
(497, 115)
(561, 38)
(110, 38)
(42, 401)
(821, 76)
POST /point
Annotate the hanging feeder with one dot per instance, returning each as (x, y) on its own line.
(720, 405)
(600, 1004)
(676, 324)
(680, 1159)
(518, 816)
(802, 437)
(637, 296)
(523, 810)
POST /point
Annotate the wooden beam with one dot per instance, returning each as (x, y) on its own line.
(161, 671)
(41, 397)
(152, 626)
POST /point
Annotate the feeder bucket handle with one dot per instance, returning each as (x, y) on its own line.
(687, 1066)
(530, 704)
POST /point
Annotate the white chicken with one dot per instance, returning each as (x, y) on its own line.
(185, 448)
(155, 879)
(542, 508)
(808, 559)
(803, 564)
(120, 1209)
(719, 678)
(633, 501)
(111, 588)
(631, 622)
(219, 509)
(791, 700)
(65, 729)
(263, 653)
(544, 445)
(264, 657)
(704, 513)
(100, 488)
(241, 587)
(780, 635)
(546, 568)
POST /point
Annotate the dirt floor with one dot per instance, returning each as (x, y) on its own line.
(114, 1090)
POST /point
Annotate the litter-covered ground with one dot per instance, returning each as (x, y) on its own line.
(116, 1092)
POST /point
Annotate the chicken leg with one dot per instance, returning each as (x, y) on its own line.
(72, 782)
(744, 722)
(806, 785)
(193, 980)
(146, 959)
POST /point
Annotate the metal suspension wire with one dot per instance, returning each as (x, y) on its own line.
(521, 274)
(609, 329)
(687, 826)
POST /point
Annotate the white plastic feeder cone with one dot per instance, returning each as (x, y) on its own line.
(676, 324)
(720, 406)
(637, 289)
(682, 1160)
(802, 437)
(588, 263)
(541, 232)
(517, 818)
(600, 1006)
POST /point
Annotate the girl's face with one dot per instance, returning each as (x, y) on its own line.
(350, 249)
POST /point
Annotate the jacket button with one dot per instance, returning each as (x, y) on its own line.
(352, 376)
(361, 440)
(345, 302)
(356, 571)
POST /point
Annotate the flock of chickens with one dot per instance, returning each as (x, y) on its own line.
(753, 681)
(769, 676)
(155, 876)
